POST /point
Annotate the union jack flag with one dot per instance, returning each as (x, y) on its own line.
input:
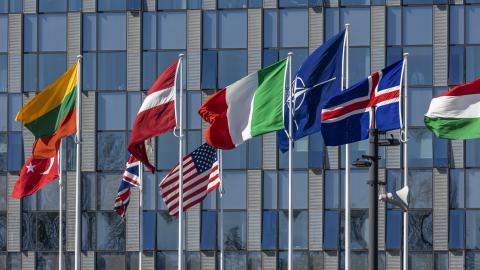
(131, 178)
(347, 116)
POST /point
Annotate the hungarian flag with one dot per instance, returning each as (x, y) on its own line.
(455, 114)
(50, 115)
(35, 174)
(249, 107)
(156, 115)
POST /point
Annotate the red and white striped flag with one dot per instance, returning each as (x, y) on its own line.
(200, 176)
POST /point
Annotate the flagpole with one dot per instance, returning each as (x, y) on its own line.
(78, 140)
(290, 145)
(347, 161)
(180, 164)
(140, 219)
(405, 160)
(220, 172)
(60, 192)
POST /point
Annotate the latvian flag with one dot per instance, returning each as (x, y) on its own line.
(156, 115)
(131, 178)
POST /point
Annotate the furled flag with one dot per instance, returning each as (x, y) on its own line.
(247, 108)
(318, 79)
(455, 114)
(346, 117)
(35, 174)
(200, 176)
(51, 114)
(156, 115)
(131, 178)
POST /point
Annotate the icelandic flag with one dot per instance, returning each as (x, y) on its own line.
(131, 178)
(347, 116)
(317, 79)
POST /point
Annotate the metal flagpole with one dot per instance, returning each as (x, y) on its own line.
(347, 163)
(405, 160)
(78, 140)
(180, 167)
(60, 201)
(220, 167)
(140, 219)
(290, 151)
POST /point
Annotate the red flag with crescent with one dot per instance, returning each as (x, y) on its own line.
(35, 174)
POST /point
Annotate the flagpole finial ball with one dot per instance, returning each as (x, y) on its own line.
(290, 53)
(405, 54)
(79, 56)
(347, 25)
(181, 55)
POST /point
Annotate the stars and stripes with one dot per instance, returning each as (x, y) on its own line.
(131, 178)
(200, 176)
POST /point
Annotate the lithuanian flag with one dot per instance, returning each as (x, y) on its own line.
(51, 115)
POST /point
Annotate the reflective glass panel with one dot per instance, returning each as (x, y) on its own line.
(473, 229)
(394, 30)
(472, 183)
(420, 184)
(359, 68)
(209, 33)
(110, 231)
(394, 229)
(457, 187)
(3, 72)
(110, 261)
(359, 20)
(172, 30)
(234, 184)
(456, 65)
(420, 231)
(472, 68)
(232, 31)
(112, 71)
(420, 260)
(330, 239)
(89, 32)
(358, 182)
(472, 19)
(235, 230)
(269, 229)
(456, 229)
(111, 5)
(3, 33)
(172, 4)
(228, 73)
(50, 67)
(299, 190)
(52, 5)
(232, 3)
(293, 28)
(270, 28)
(167, 231)
(420, 150)
(208, 230)
(111, 111)
(112, 31)
(420, 65)
(52, 32)
(15, 157)
(457, 24)
(417, 25)
(269, 190)
(149, 30)
(111, 151)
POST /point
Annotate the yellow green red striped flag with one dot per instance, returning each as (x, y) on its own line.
(49, 111)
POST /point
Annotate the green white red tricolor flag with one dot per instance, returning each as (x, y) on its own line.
(455, 114)
(247, 108)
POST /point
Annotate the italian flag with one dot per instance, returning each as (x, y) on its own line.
(455, 114)
(247, 108)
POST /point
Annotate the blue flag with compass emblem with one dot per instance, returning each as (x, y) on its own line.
(318, 79)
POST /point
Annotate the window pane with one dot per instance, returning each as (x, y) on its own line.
(420, 184)
(3, 151)
(111, 111)
(472, 67)
(255, 155)
(209, 30)
(50, 67)
(232, 3)
(358, 182)
(269, 230)
(208, 233)
(110, 261)
(457, 24)
(166, 59)
(134, 103)
(111, 5)
(456, 227)
(14, 156)
(270, 25)
(52, 32)
(112, 71)
(149, 191)
(473, 229)
(456, 64)
(89, 198)
(269, 190)
(74, 5)
(420, 261)
(472, 18)
(441, 260)
(89, 32)
(111, 152)
(359, 232)
(149, 69)
(332, 22)
(30, 33)
(420, 150)
(330, 239)
(394, 30)
(89, 230)
(456, 191)
(167, 260)
(110, 231)
(359, 67)
(3, 6)
(48, 196)
(3, 72)
(293, 3)
(299, 190)
(472, 260)
(16, 6)
(232, 29)
(106, 183)
(293, 28)
(316, 149)
(440, 152)
(235, 195)
(3, 112)
(167, 231)
(173, 30)
(89, 71)
(52, 5)
(270, 57)
(420, 63)
(194, 101)
(235, 230)
(112, 31)
(472, 182)
(172, 4)
(418, 99)
(300, 154)
(14, 105)
(359, 19)
(417, 25)
(300, 229)
(394, 229)
(228, 73)
(420, 230)
(394, 54)
(331, 189)
(3, 33)
(149, 30)
(47, 231)
(167, 151)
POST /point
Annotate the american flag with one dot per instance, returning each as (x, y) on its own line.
(200, 176)
(131, 178)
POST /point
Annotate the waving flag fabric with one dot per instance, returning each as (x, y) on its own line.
(35, 174)
(318, 79)
(200, 176)
(156, 115)
(131, 178)
(346, 117)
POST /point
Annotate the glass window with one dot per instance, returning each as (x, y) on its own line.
(52, 32)
(3, 6)
(394, 229)
(232, 4)
(48, 196)
(394, 24)
(172, 30)
(472, 18)
(30, 33)
(300, 154)
(394, 54)
(331, 188)
(441, 260)
(228, 73)
(269, 229)
(111, 151)
(255, 155)
(106, 183)
(15, 157)
(420, 260)
(359, 225)
(167, 151)
(456, 227)
(209, 70)
(3, 33)
(134, 103)
(50, 67)
(420, 230)
(89, 229)
(299, 56)
(234, 184)
(110, 230)
(112, 71)
(89, 31)
(472, 68)
(3, 112)
(209, 30)
(316, 149)
(112, 31)
(110, 261)
(457, 187)
(420, 65)
(89, 71)
(299, 190)
(457, 23)
(330, 239)
(358, 182)
(293, 3)
(208, 230)
(171, 4)
(235, 230)
(456, 65)
(359, 67)
(473, 228)
(293, 28)
(420, 150)
(3, 72)
(235, 260)
(52, 5)
(89, 198)
(111, 5)
(417, 25)
(235, 158)
(440, 152)
(300, 229)
(420, 185)
(14, 105)
(270, 28)
(332, 22)
(111, 111)
(3, 151)
(232, 29)
(472, 260)
(270, 187)
(472, 183)
(16, 6)
(472, 153)
(359, 20)
(167, 231)
(74, 5)
(149, 28)
(418, 99)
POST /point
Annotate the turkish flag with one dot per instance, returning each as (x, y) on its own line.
(35, 174)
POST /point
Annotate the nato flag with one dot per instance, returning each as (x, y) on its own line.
(318, 79)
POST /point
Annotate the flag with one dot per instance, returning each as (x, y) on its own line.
(346, 117)
(51, 114)
(455, 114)
(200, 176)
(131, 178)
(247, 108)
(35, 174)
(318, 79)
(156, 115)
